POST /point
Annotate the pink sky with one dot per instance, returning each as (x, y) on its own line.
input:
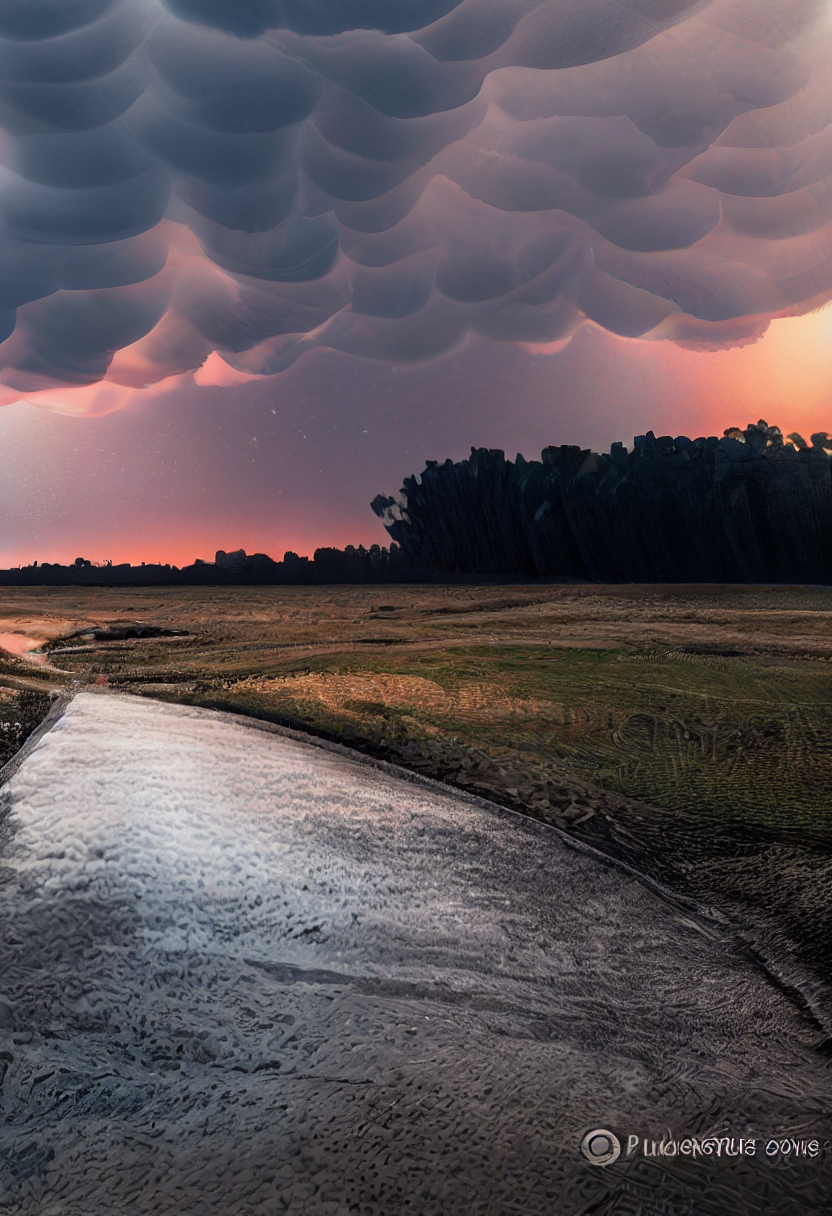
(292, 462)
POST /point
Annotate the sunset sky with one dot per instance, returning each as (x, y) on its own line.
(255, 274)
(293, 461)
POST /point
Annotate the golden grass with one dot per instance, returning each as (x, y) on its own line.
(692, 698)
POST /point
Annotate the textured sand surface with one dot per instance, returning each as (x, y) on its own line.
(243, 974)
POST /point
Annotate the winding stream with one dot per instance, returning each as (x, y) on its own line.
(244, 974)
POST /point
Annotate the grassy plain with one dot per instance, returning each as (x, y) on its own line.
(713, 699)
(684, 728)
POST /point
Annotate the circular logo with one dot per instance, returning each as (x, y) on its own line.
(600, 1146)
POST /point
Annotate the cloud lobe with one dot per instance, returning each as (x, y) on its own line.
(257, 179)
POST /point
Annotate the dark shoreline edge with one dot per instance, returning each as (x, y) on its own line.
(55, 711)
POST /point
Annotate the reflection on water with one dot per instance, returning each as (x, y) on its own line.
(241, 974)
(22, 645)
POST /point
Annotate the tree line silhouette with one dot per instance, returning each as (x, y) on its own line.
(747, 507)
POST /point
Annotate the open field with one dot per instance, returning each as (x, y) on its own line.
(685, 729)
(705, 698)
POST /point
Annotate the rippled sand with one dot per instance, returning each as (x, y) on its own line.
(243, 974)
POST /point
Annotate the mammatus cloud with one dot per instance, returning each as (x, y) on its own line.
(225, 184)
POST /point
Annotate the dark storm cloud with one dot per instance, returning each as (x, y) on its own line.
(257, 177)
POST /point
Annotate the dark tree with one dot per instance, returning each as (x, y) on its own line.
(748, 507)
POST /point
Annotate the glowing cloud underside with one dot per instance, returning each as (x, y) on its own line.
(256, 178)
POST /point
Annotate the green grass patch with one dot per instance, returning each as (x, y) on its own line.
(739, 737)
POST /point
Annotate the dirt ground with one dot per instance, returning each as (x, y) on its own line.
(775, 620)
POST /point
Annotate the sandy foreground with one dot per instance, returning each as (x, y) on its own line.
(240, 973)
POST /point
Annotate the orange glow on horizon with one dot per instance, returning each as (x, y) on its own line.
(183, 549)
(785, 377)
